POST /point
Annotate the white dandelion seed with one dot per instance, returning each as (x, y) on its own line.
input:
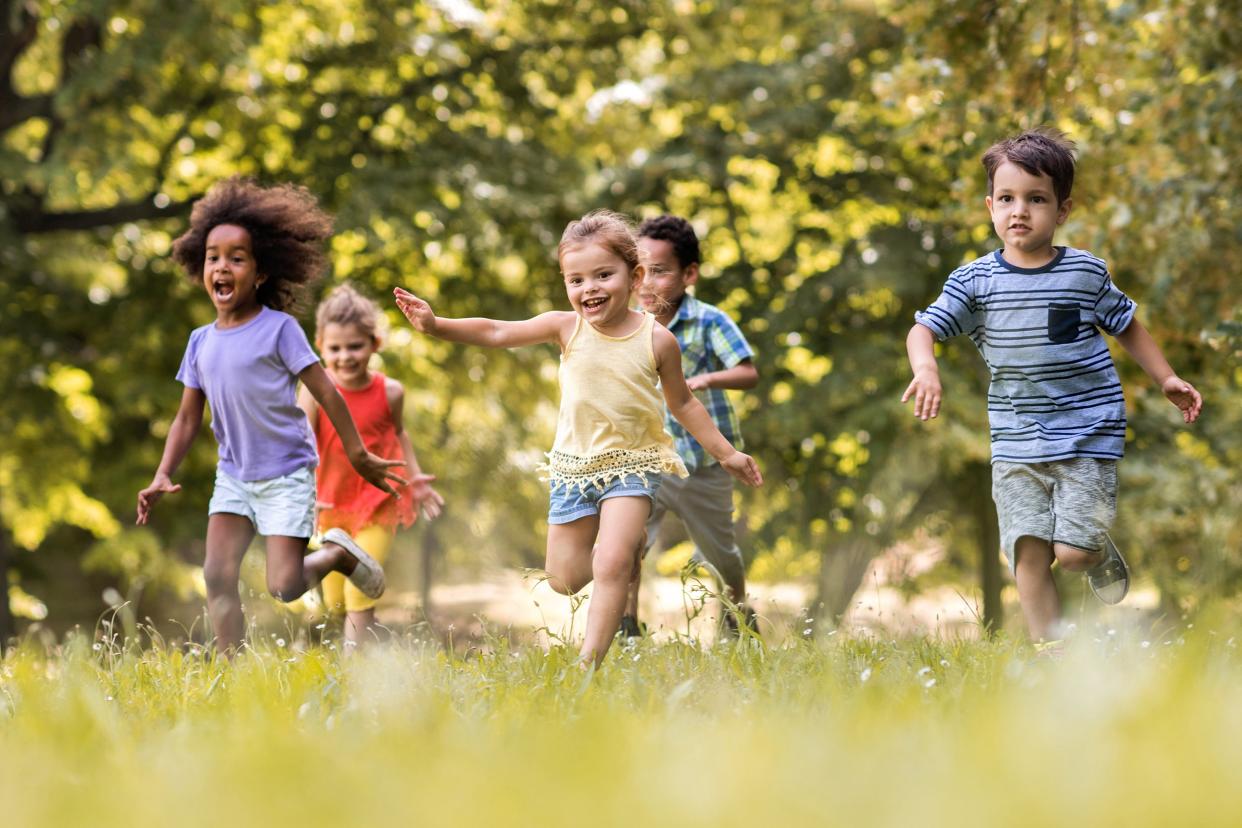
(865, 674)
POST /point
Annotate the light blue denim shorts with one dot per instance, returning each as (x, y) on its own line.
(278, 506)
(569, 503)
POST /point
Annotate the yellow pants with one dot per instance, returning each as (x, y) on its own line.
(339, 595)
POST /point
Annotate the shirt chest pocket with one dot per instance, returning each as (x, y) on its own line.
(1063, 322)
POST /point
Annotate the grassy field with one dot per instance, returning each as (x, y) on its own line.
(1125, 729)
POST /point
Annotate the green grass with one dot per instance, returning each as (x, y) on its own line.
(844, 731)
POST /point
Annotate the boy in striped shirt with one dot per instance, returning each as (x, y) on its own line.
(1055, 406)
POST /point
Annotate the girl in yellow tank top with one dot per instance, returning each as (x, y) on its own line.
(611, 447)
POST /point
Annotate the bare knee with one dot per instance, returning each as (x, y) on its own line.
(612, 564)
(563, 583)
(220, 580)
(285, 588)
(1073, 559)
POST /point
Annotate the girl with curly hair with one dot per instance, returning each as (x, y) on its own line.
(618, 371)
(254, 250)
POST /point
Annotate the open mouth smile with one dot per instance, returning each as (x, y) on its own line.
(223, 291)
(594, 303)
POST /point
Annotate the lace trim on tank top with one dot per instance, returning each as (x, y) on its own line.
(605, 467)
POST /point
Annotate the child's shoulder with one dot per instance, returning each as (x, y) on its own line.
(1079, 259)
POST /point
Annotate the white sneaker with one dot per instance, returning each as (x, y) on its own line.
(368, 575)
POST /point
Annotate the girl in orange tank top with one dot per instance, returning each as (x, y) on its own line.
(347, 335)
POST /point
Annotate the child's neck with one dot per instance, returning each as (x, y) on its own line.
(1029, 260)
(236, 317)
(624, 326)
(667, 315)
(355, 385)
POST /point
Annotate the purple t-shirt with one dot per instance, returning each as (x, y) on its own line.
(250, 377)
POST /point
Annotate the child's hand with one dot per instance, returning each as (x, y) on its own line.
(697, 383)
(375, 470)
(160, 486)
(925, 388)
(416, 310)
(1184, 396)
(426, 498)
(743, 467)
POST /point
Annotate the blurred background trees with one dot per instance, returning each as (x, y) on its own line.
(827, 152)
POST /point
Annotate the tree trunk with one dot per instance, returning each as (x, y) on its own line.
(841, 572)
(7, 628)
(989, 543)
(430, 550)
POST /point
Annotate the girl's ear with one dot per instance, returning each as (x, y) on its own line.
(637, 275)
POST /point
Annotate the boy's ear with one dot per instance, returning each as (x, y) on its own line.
(690, 274)
(1063, 210)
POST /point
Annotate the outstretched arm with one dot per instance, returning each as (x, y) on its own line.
(181, 436)
(492, 333)
(925, 387)
(1138, 342)
(425, 497)
(374, 470)
(690, 412)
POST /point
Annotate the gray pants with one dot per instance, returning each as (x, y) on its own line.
(704, 502)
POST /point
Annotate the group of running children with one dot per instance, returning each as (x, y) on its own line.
(645, 425)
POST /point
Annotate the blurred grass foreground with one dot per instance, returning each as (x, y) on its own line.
(1125, 728)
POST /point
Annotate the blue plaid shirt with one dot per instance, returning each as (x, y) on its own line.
(710, 341)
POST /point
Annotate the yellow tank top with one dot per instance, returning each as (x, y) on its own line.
(611, 420)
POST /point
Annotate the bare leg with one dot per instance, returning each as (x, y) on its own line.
(1037, 591)
(631, 597)
(228, 538)
(359, 627)
(1075, 559)
(618, 550)
(569, 554)
(290, 571)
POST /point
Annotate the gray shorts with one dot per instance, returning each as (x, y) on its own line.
(704, 502)
(1065, 501)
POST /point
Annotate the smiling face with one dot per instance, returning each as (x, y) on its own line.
(666, 281)
(1026, 214)
(346, 352)
(230, 274)
(599, 284)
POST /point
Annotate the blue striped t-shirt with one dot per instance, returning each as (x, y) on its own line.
(1054, 392)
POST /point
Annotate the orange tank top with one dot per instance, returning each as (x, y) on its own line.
(346, 500)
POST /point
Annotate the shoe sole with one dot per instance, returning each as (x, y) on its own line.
(1125, 567)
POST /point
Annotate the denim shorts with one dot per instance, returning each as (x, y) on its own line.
(568, 503)
(279, 506)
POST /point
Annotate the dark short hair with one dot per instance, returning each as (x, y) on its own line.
(287, 231)
(1041, 151)
(678, 232)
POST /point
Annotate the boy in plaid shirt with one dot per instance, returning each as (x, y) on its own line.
(715, 357)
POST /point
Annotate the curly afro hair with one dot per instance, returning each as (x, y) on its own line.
(287, 233)
(676, 231)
